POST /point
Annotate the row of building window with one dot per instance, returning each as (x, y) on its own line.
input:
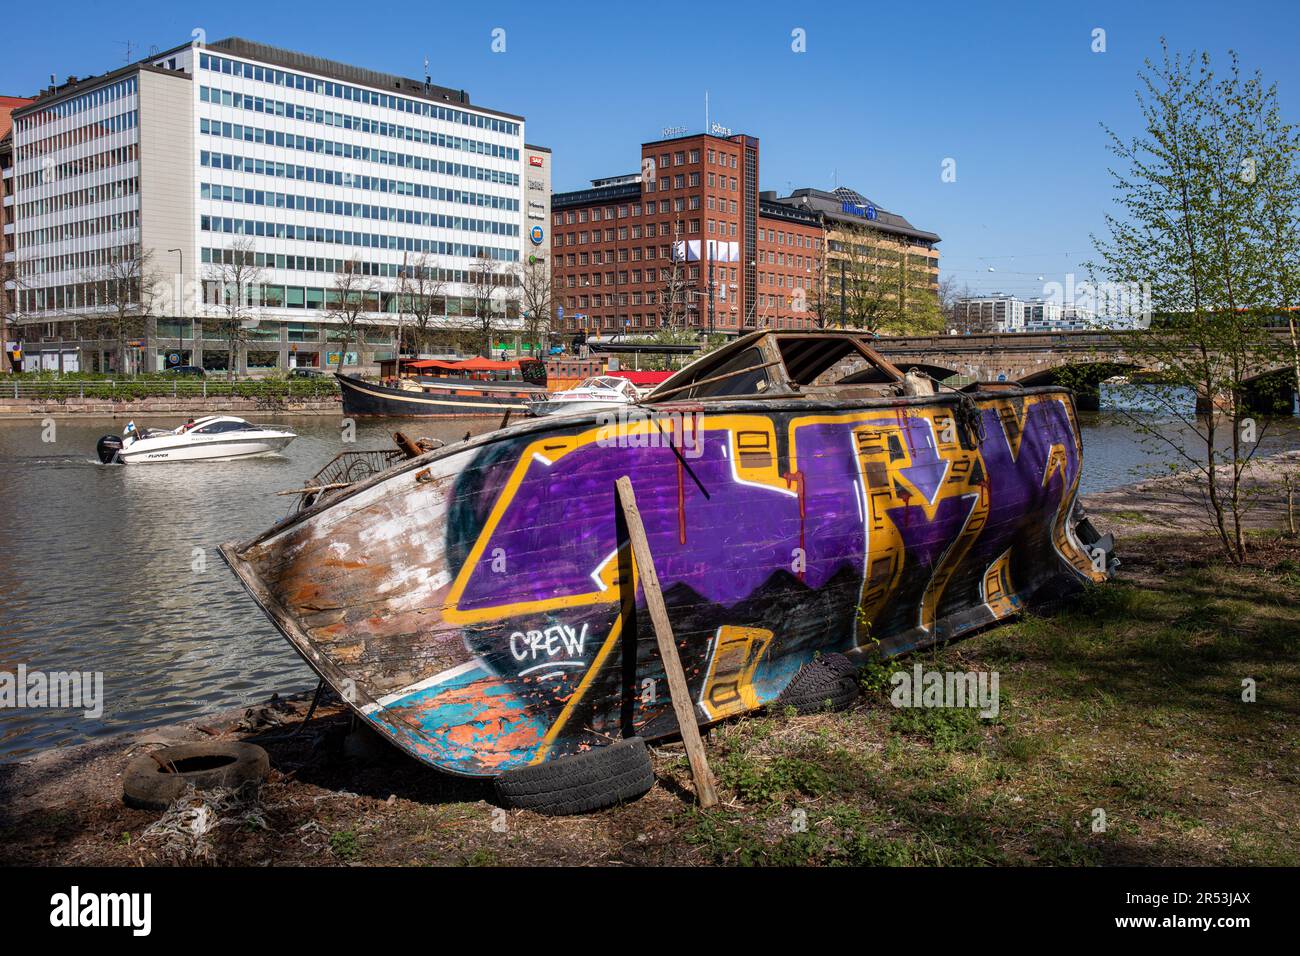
(664, 183)
(784, 281)
(663, 229)
(328, 299)
(383, 270)
(255, 134)
(694, 320)
(348, 237)
(85, 261)
(651, 208)
(332, 177)
(78, 167)
(78, 104)
(108, 126)
(691, 157)
(773, 258)
(80, 197)
(721, 274)
(80, 229)
(355, 94)
(307, 114)
(782, 238)
(355, 210)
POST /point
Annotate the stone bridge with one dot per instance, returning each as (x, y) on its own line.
(1030, 358)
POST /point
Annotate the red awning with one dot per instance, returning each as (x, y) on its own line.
(643, 378)
(469, 365)
(486, 365)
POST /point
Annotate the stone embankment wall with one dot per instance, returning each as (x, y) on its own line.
(189, 407)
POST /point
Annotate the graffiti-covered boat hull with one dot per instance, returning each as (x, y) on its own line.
(477, 604)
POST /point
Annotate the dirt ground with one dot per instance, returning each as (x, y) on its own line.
(1123, 707)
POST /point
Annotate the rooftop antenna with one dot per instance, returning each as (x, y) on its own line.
(128, 44)
(706, 111)
(427, 82)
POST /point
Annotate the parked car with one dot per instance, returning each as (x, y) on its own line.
(306, 372)
(195, 370)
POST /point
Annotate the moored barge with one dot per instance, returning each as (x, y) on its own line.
(439, 388)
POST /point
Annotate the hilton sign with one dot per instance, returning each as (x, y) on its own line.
(853, 209)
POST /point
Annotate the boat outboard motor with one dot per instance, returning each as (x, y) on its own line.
(107, 448)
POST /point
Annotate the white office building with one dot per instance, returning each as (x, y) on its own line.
(202, 153)
(988, 313)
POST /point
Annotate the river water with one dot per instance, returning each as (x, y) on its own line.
(114, 569)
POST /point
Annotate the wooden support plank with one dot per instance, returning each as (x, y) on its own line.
(680, 694)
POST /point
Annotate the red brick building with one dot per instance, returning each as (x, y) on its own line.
(680, 242)
(687, 241)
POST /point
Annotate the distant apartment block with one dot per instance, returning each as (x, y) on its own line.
(990, 313)
(1000, 312)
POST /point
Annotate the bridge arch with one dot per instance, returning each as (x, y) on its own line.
(1084, 378)
(1273, 391)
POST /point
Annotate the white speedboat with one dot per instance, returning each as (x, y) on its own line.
(212, 438)
(592, 394)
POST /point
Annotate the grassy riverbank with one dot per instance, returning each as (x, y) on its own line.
(1128, 701)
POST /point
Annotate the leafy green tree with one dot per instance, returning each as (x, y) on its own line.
(1198, 237)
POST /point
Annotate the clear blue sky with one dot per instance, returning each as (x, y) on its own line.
(884, 93)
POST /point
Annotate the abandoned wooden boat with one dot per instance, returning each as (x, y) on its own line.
(478, 606)
(432, 387)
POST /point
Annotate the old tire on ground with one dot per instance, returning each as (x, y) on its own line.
(579, 783)
(153, 780)
(826, 683)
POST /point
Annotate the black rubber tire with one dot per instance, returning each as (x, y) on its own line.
(580, 783)
(828, 683)
(146, 785)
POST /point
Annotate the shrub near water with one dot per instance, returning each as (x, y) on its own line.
(46, 386)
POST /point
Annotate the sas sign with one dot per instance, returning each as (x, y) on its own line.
(536, 235)
(534, 160)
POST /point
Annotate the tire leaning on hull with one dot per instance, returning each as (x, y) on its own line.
(580, 783)
(826, 683)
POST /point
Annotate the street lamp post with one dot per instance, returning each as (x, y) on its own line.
(710, 296)
(180, 296)
(842, 322)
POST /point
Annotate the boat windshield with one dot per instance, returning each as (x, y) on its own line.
(226, 426)
(604, 382)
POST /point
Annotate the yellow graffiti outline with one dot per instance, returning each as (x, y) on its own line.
(452, 612)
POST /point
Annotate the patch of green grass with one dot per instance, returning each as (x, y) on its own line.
(843, 837)
(345, 844)
(1137, 781)
(1067, 844)
(759, 780)
(947, 729)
